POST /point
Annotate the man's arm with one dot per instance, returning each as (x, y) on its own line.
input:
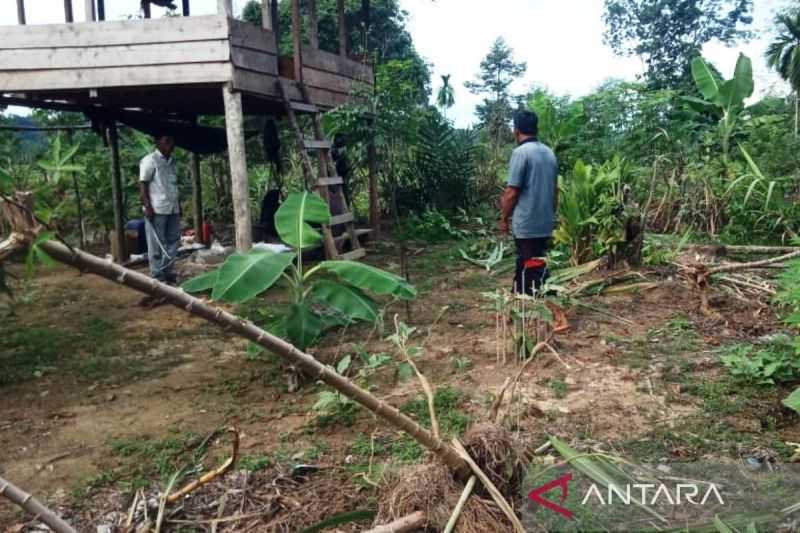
(507, 204)
(146, 171)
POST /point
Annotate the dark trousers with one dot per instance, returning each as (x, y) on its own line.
(529, 278)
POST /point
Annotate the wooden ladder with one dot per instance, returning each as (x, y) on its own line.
(328, 185)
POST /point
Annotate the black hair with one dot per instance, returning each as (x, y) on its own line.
(526, 122)
(162, 134)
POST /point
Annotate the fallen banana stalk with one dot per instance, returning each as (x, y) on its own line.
(451, 524)
(35, 507)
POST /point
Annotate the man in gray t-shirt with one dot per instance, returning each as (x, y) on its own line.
(530, 201)
(158, 189)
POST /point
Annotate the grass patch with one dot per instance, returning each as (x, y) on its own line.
(559, 387)
(452, 421)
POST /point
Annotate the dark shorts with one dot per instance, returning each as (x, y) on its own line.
(531, 274)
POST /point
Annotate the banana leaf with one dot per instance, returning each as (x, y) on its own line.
(303, 326)
(351, 302)
(293, 219)
(371, 279)
(244, 276)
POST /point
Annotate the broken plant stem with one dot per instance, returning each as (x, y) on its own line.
(451, 524)
(34, 507)
(413, 522)
(209, 476)
(426, 386)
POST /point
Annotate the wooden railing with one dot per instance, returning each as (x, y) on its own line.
(95, 11)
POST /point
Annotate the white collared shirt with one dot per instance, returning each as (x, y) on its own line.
(160, 172)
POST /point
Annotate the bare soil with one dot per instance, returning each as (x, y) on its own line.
(635, 376)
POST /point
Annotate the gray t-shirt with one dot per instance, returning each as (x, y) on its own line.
(533, 170)
(162, 175)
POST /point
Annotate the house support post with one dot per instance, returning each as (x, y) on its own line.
(197, 199)
(296, 41)
(240, 190)
(342, 29)
(118, 244)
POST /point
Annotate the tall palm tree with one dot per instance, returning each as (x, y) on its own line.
(446, 98)
(783, 55)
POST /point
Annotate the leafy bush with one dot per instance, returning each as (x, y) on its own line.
(777, 362)
(587, 205)
(431, 226)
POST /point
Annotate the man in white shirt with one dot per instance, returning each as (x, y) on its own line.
(158, 189)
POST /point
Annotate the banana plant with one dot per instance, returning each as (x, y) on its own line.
(722, 98)
(330, 294)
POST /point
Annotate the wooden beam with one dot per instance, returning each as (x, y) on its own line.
(197, 198)
(342, 29)
(374, 207)
(225, 7)
(21, 12)
(313, 24)
(276, 22)
(240, 188)
(90, 15)
(266, 15)
(101, 9)
(117, 32)
(118, 250)
(69, 17)
(186, 10)
(297, 42)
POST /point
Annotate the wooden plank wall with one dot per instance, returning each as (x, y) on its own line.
(163, 51)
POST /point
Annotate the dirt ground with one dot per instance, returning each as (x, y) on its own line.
(100, 398)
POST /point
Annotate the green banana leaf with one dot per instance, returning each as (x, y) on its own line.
(707, 81)
(371, 279)
(303, 326)
(293, 217)
(793, 401)
(349, 301)
(743, 78)
(201, 283)
(244, 276)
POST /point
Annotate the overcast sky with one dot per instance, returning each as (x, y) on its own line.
(561, 40)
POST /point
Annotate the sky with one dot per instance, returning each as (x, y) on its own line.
(561, 41)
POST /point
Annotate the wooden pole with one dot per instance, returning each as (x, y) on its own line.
(372, 166)
(313, 24)
(90, 17)
(297, 41)
(225, 7)
(101, 9)
(342, 29)
(240, 188)
(197, 198)
(118, 248)
(266, 15)
(68, 15)
(21, 12)
(276, 23)
(365, 13)
(186, 11)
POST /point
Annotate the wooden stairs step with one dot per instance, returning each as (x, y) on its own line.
(314, 144)
(360, 234)
(327, 181)
(354, 255)
(339, 220)
(302, 107)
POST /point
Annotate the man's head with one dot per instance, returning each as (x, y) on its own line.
(165, 144)
(526, 125)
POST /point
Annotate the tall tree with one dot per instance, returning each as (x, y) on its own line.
(783, 55)
(668, 33)
(498, 71)
(446, 97)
